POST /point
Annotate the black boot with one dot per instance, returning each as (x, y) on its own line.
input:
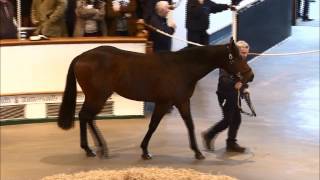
(306, 19)
(235, 147)
(208, 143)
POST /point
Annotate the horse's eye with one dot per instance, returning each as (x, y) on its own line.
(230, 56)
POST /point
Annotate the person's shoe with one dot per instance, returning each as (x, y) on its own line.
(306, 19)
(207, 143)
(235, 147)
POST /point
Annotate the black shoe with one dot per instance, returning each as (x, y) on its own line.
(207, 143)
(306, 19)
(235, 147)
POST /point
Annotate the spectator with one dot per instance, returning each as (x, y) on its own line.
(7, 25)
(197, 20)
(305, 10)
(149, 10)
(121, 17)
(145, 9)
(159, 20)
(90, 18)
(49, 17)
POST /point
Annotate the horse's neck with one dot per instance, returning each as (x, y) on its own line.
(199, 61)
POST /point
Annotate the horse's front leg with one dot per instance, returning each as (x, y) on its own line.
(184, 109)
(158, 113)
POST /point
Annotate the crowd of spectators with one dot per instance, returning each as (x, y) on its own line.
(92, 18)
(60, 18)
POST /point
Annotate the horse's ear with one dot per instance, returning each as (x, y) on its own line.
(232, 44)
(231, 40)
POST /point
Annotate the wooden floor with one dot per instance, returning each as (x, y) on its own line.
(283, 141)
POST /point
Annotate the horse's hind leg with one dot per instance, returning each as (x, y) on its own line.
(91, 107)
(184, 109)
(84, 117)
(159, 111)
(98, 138)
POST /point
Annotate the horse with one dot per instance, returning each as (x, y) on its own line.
(165, 78)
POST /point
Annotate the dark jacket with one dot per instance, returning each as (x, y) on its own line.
(197, 18)
(112, 16)
(160, 42)
(226, 84)
(7, 29)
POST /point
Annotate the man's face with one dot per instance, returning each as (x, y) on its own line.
(244, 50)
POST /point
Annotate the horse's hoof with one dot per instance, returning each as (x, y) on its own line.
(103, 153)
(199, 156)
(146, 156)
(104, 156)
(91, 154)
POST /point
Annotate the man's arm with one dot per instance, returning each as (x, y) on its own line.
(215, 8)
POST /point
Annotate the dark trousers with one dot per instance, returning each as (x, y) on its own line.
(305, 9)
(200, 37)
(231, 118)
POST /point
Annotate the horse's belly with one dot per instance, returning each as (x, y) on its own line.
(145, 92)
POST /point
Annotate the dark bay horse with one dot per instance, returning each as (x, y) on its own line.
(167, 78)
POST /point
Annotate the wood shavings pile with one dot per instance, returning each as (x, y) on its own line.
(153, 173)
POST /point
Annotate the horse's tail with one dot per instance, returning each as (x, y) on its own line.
(68, 105)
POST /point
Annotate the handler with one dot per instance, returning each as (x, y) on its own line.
(228, 99)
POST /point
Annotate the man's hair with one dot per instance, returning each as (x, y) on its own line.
(160, 5)
(242, 44)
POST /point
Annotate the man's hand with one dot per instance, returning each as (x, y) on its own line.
(171, 24)
(200, 1)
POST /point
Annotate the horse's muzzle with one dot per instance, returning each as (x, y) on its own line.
(251, 78)
(248, 76)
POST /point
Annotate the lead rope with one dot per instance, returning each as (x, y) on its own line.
(249, 104)
(239, 105)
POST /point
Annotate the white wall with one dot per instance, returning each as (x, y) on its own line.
(43, 68)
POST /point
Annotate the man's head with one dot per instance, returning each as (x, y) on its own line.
(243, 48)
(162, 8)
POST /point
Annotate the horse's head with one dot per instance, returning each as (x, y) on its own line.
(236, 65)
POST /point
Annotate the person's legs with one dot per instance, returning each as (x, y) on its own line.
(210, 134)
(306, 7)
(298, 8)
(204, 38)
(193, 36)
(234, 120)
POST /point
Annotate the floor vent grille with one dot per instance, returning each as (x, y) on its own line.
(12, 112)
(53, 109)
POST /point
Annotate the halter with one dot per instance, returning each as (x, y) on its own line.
(231, 60)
